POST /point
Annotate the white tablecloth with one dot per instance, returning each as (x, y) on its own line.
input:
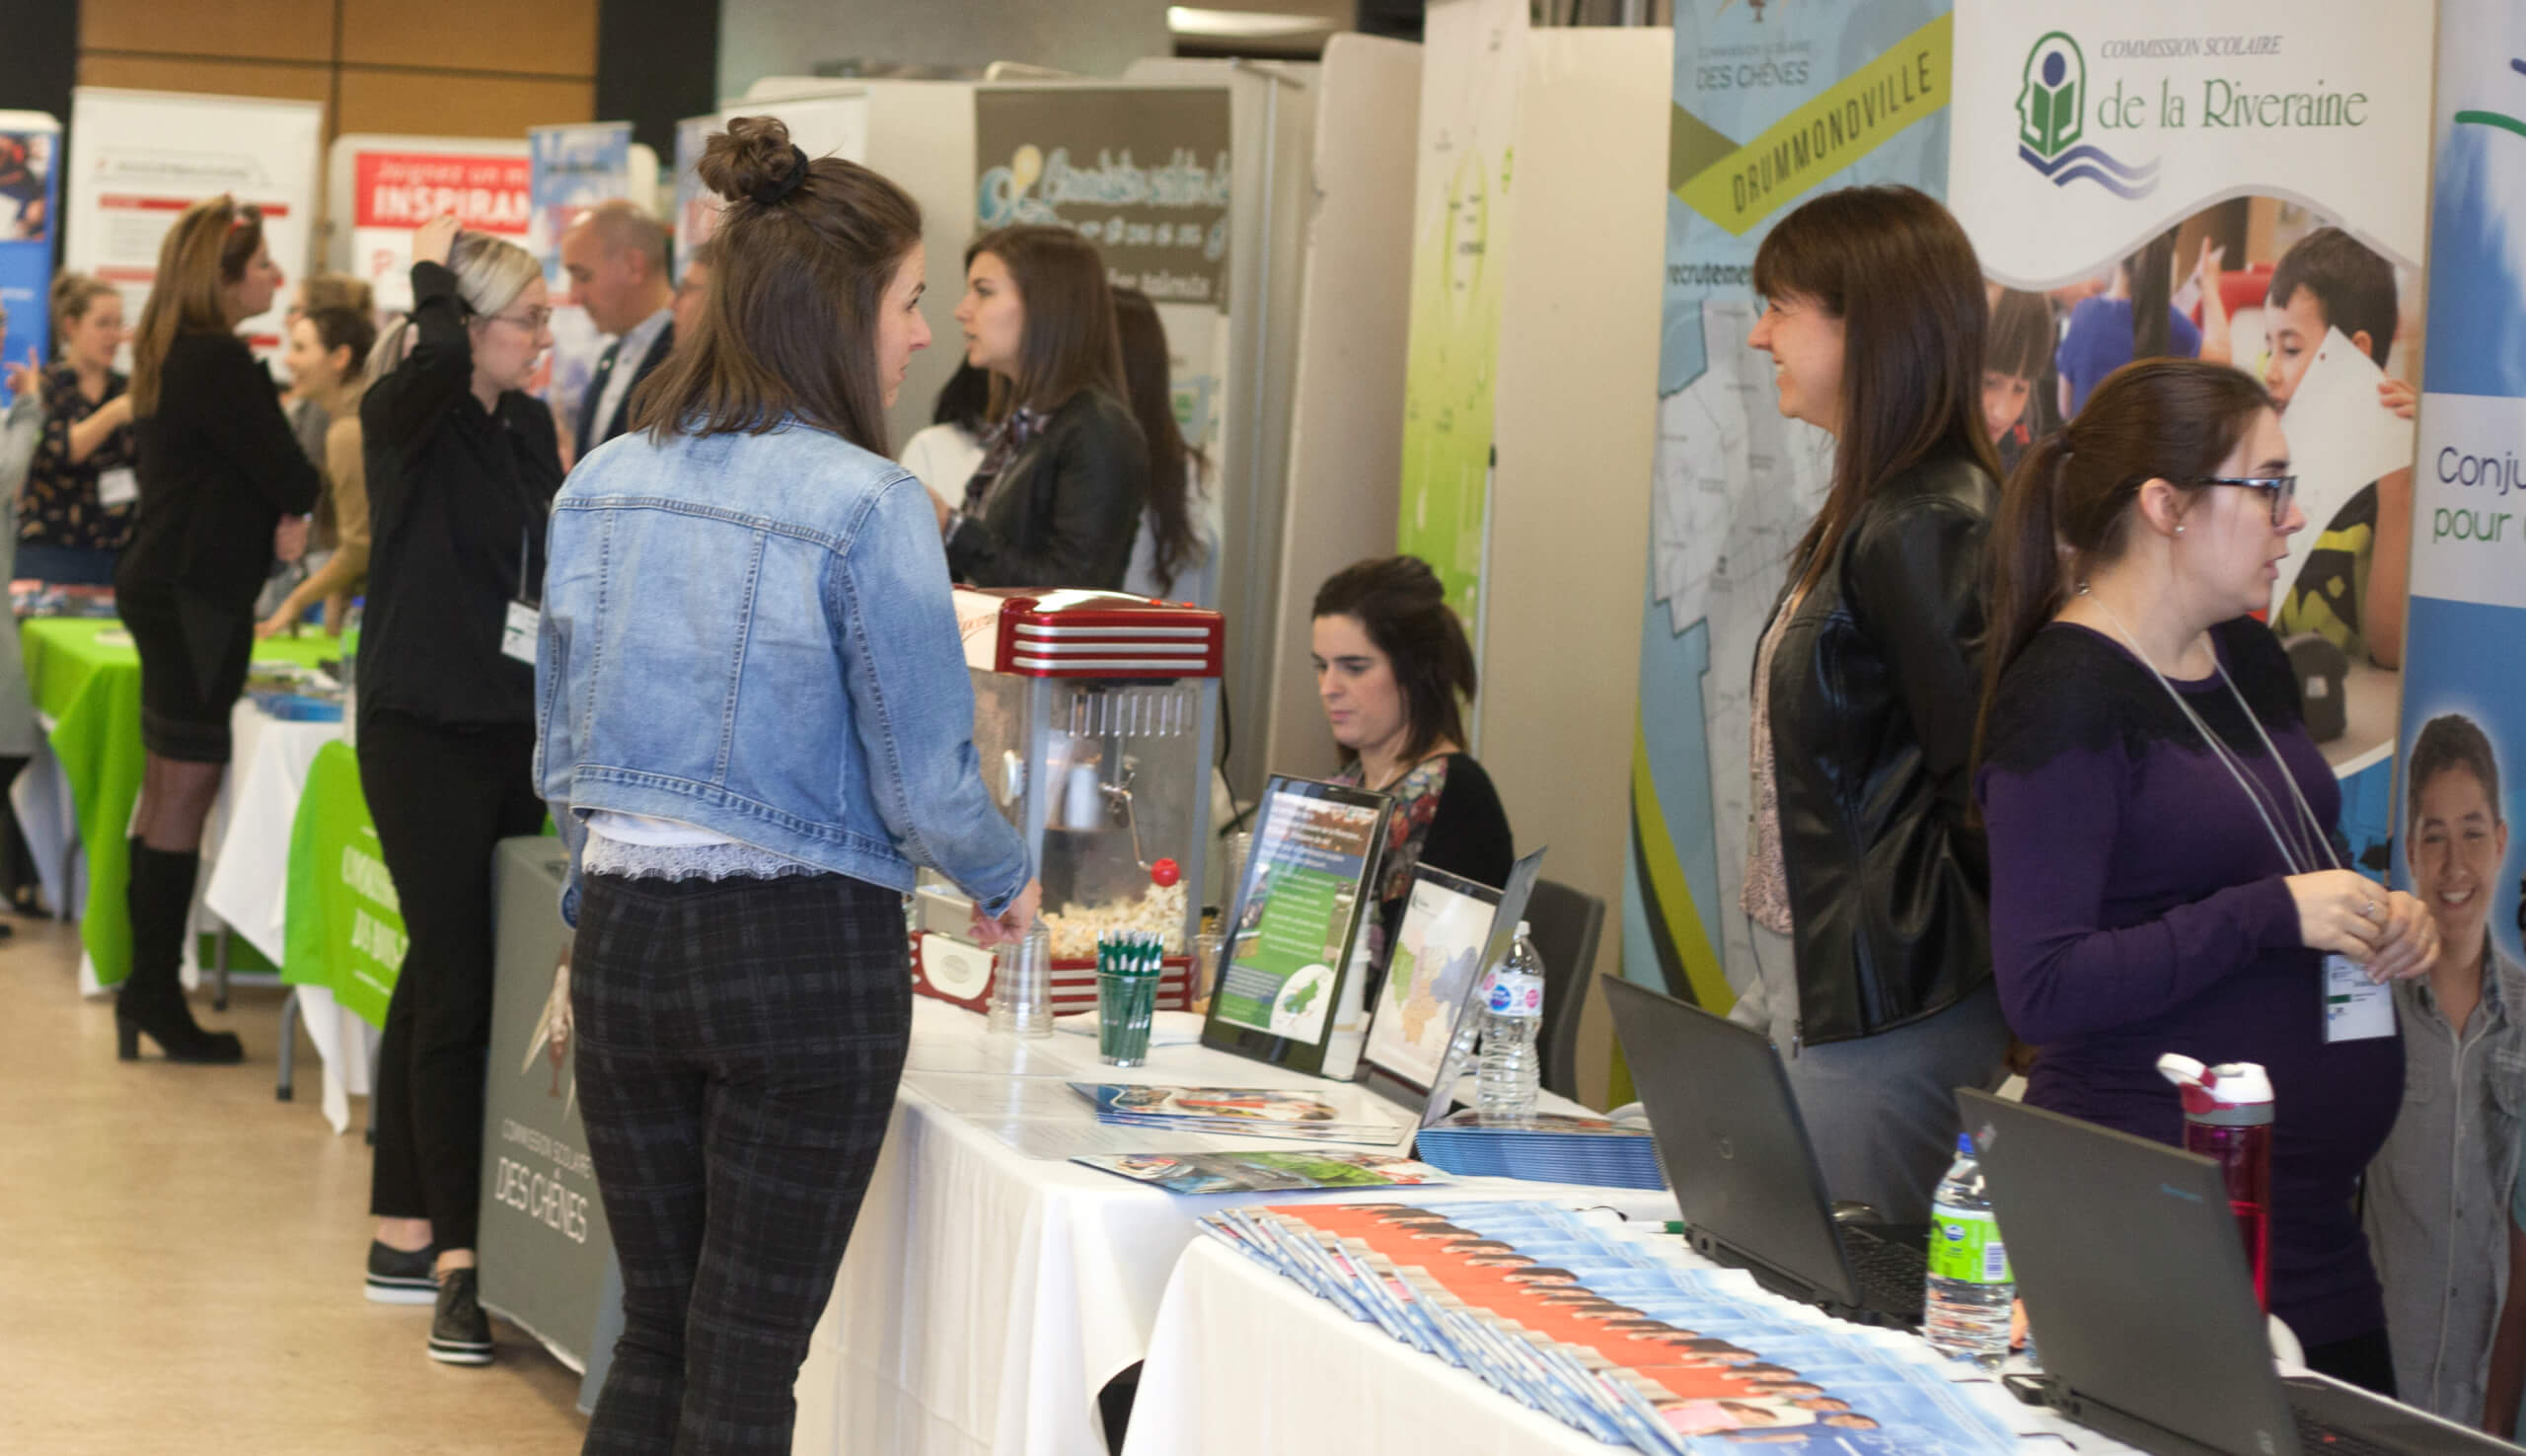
(248, 887)
(987, 1296)
(1244, 1363)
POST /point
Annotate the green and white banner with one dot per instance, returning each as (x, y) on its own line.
(346, 927)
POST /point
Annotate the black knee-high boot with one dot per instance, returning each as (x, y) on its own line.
(161, 902)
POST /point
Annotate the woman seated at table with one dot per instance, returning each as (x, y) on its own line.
(1064, 475)
(327, 358)
(1393, 671)
(218, 469)
(2164, 876)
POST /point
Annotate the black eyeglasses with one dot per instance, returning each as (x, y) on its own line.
(2283, 489)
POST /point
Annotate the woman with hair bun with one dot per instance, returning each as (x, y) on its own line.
(1057, 500)
(218, 469)
(462, 465)
(1394, 671)
(78, 506)
(755, 724)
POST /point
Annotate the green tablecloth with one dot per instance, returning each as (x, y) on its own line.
(344, 927)
(89, 683)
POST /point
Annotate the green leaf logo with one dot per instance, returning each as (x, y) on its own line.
(2052, 106)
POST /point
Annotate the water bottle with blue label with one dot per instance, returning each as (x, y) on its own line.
(1511, 1071)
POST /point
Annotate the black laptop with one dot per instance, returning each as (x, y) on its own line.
(2136, 1287)
(1735, 1150)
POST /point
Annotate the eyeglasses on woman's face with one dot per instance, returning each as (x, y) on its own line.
(531, 319)
(2283, 490)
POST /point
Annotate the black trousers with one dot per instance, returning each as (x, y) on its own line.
(442, 798)
(738, 1045)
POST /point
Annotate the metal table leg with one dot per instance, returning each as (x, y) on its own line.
(289, 1015)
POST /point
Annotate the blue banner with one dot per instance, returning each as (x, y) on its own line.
(30, 205)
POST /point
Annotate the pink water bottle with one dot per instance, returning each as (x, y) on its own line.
(2227, 1117)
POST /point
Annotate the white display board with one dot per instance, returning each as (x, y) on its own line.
(139, 157)
(380, 187)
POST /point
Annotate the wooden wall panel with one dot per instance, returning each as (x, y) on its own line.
(459, 104)
(550, 38)
(265, 29)
(214, 77)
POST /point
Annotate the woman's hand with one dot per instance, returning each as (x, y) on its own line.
(1011, 925)
(277, 623)
(26, 378)
(2399, 397)
(435, 240)
(2341, 913)
(2409, 945)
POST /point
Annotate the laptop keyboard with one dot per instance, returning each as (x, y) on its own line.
(1891, 1273)
(2320, 1438)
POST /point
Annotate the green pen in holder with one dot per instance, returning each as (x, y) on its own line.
(1127, 974)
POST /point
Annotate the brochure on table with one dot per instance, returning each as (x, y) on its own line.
(1265, 1171)
(1296, 920)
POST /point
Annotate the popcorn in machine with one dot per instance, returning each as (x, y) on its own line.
(1095, 715)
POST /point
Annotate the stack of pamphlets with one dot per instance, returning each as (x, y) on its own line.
(1265, 1171)
(1248, 1112)
(1545, 1148)
(1616, 1329)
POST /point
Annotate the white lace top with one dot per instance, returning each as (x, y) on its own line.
(636, 846)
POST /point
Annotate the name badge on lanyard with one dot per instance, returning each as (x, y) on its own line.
(2356, 1009)
(526, 619)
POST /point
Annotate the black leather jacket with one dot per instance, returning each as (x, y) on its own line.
(1066, 509)
(1874, 686)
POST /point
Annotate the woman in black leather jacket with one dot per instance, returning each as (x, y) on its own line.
(1065, 475)
(1866, 886)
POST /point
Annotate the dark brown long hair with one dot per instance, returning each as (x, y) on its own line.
(2152, 274)
(1900, 274)
(2068, 507)
(1070, 342)
(1172, 461)
(206, 250)
(797, 287)
(1401, 604)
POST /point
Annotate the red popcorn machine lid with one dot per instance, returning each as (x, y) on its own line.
(1032, 633)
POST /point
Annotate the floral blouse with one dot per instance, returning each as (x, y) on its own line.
(60, 508)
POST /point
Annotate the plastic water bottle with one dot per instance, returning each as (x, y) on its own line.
(1511, 1069)
(1971, 1293)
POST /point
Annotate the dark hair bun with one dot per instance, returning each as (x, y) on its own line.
(753, 154)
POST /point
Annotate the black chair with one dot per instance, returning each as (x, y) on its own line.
(1565, 925)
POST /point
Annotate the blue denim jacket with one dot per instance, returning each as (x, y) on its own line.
(753, 634)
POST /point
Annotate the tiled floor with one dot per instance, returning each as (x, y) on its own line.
(181, 1254)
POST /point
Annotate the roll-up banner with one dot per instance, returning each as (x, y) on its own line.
(1771, 107)
(30, 202)
(573, 169)
(1144, 173)
(385, 186)
(139, 157)
(2283, 140)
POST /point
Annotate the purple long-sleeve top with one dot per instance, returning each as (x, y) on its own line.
(2138, 907)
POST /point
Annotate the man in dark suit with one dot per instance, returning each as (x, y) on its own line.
(617, 257)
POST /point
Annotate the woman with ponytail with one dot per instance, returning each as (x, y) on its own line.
(1864, 876)
(2165, 869)
(461, 469)
(756, 723)
(218, 469)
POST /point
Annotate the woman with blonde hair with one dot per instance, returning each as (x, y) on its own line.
(462, 465)
(1065, 478)
(218, 469)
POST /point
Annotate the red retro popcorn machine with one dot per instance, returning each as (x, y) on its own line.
(1096, 717)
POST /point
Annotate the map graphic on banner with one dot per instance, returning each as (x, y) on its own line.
(2103, 152)
(29, 201)
(573, 169)
(139, 157)
(2467, 658)
(1770, 107)
(1452, 349)
(399, 184)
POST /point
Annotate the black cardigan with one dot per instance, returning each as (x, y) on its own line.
(1065, 511)
(457, 501)
(219, 466)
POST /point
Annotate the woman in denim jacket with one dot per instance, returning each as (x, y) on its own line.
(755, 723)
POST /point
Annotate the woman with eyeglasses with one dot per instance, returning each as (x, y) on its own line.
(2166, 871)
(462, 468)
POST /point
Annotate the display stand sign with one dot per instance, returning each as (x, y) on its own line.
(1296, 922)
(573, 169)
(1144, 173)
(1413, 1056)
(139, 157)
(696, 207)
(344, 925)
(29, 201)
(389, 186)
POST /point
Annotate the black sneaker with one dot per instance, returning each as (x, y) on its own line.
(397, 1277)
(459, 1333)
